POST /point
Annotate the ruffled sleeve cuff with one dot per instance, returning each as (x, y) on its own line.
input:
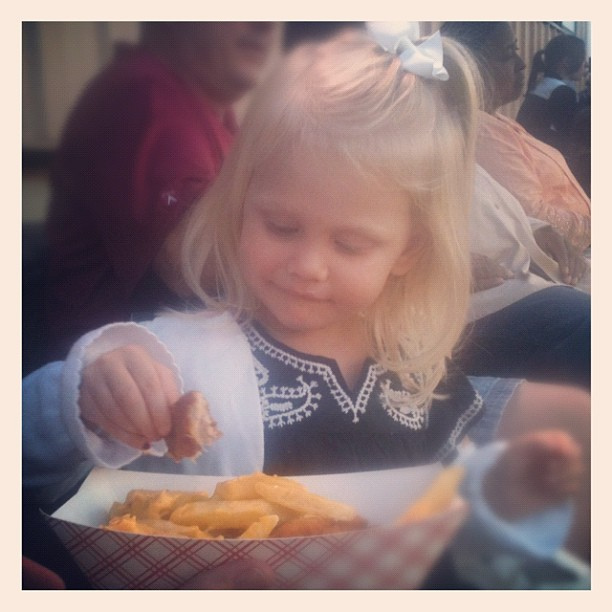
(97, 447)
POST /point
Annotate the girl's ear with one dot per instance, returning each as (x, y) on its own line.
(410, 257)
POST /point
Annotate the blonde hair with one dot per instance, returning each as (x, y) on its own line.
(350, 98)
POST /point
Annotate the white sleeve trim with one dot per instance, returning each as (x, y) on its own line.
(100, 449)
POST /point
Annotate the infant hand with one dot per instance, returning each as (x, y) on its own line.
(537, 470)
(128, 395)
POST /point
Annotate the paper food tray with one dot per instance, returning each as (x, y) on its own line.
(384, 556)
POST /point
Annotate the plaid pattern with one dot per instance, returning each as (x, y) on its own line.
(391, 557)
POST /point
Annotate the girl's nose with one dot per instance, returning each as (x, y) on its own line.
(308, 262)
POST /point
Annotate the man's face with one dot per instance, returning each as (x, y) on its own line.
(505, 65)
(226, 59)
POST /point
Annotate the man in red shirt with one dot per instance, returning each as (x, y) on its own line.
(145, 139)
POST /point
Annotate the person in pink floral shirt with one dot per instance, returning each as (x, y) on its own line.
(534, 172)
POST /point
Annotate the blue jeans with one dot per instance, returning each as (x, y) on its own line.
(546, 336)
(496, 393)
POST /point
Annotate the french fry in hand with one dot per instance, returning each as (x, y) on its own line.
(437, 497)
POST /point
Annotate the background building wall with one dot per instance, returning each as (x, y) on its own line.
(58, 59)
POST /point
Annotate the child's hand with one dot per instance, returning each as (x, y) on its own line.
(128, 395)
(537, 470)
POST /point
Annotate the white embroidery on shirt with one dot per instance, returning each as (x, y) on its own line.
(261, 373)
(465, 418)
(399, 404)
(299, 403)
(288, 404)
(323, 370)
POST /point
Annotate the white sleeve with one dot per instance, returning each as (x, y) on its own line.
(101, 450)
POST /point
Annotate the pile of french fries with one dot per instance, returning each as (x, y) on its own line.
(258, 506)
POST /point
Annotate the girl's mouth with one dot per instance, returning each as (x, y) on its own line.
(309, 296)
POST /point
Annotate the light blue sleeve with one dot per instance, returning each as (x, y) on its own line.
(51, 462)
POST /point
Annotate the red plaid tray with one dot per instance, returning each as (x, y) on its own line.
(385, 557)
(376, 558)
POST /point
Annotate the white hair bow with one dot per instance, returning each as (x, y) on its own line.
(424, 59)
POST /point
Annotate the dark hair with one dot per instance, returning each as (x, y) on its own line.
(472, 34)
(297, 32)
(475, 36)
(564, 46)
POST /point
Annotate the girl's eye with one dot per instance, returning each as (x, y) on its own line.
(353, 247)
(281, 229)
(347, 247)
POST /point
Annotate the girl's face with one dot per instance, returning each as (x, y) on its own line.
(318, 244)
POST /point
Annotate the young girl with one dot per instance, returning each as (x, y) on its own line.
(338, 228)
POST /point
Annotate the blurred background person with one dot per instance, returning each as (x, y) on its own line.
(551, 102)
(555, 109)
(535, 173)
(145, 139)
(579, 153)
(530, 309)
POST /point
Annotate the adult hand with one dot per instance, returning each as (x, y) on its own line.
(127, 394)
(486, 273)
(247, 574)
(572, 263)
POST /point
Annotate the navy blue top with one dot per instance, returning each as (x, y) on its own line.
(315, 424)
